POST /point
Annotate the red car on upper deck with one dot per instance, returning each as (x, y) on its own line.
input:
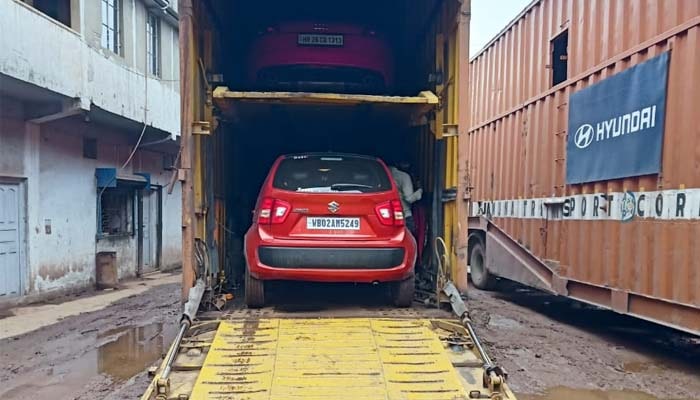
(328, 217)
(314, 56)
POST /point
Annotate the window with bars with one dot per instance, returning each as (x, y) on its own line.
(111, 25)
(153, 44)
(116, 212)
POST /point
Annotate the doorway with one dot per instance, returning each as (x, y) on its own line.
(150, 233)
(11, 238)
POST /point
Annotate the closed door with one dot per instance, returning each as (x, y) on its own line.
(150, 236)
(10, 239)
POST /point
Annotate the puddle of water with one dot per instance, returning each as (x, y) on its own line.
(637, 366)
(125, 352)
(559, 393)
(133, 350)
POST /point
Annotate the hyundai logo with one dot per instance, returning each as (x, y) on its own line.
(584, 136)
(333, 207)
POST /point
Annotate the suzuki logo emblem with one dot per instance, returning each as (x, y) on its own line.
(333, 207)
(584, 136)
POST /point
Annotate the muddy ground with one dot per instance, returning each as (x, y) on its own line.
(552, 348)
(97, 355)
(550, 344)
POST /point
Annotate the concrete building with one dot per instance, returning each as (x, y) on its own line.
(89, 122)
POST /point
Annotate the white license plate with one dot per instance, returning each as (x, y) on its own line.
(333, 223)
(313, 39)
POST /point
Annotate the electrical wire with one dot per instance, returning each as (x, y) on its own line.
(156, 142)
(136, 147)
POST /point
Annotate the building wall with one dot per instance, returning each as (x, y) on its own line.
(47, 64)
(43, 52)
(62, 193)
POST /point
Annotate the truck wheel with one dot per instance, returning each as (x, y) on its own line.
(481, 277)
(402, 292)
(254, 291)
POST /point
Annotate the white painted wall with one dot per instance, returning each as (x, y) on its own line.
(60, 183)
(40, 51)
(61, 188)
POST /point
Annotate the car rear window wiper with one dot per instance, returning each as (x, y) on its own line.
(349, 186)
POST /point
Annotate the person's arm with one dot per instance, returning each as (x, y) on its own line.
(406, 188)
(415, 196)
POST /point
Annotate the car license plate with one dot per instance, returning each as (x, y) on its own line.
(333, 223)
(313, 39)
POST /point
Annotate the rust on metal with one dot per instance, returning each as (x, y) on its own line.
(187, 61)
(516, 148)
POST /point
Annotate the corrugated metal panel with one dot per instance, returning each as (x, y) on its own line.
(514, 68)
(517, 139)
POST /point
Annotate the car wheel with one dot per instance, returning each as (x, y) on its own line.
(254, 291)
(402, 292)
(481, 277)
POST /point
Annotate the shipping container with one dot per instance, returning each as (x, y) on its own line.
(232, 131)
(569, 191)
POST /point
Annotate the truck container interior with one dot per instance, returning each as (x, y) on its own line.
(245, 130)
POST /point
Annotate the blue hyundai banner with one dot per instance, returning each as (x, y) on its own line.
(616, 126)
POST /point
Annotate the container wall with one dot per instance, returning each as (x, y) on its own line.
(518, 135)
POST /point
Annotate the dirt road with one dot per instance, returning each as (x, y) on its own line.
(95, 355)
(549, 345)
(552, 348)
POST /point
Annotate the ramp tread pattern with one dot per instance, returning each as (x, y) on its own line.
(353, 358)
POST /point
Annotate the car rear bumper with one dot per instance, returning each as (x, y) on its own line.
(356, 262)
(331, 258)
(358, 52)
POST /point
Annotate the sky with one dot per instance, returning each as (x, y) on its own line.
(489, 17)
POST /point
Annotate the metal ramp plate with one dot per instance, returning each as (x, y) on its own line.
(353, 358)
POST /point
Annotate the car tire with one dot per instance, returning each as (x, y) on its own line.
(402, 292)
(254, 291)
(480, 275)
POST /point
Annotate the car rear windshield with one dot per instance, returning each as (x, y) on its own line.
(325, 174)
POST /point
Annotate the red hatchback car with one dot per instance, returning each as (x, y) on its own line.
(327, 217)
(320, 56)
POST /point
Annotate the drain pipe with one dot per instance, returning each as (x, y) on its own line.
(188, 314)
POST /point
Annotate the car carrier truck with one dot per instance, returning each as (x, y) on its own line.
(232, 130)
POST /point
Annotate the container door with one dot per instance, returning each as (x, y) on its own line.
(10, 240)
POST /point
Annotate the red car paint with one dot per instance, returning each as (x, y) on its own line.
(291, 233)
(363, 50)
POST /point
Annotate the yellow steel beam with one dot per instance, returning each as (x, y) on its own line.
(222, 92)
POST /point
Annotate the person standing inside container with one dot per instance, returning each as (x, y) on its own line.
(408, 195)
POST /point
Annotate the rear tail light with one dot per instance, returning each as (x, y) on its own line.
(273, 211)
(390, 213)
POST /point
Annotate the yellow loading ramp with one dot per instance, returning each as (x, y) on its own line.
(228, 100)
(328, 358)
